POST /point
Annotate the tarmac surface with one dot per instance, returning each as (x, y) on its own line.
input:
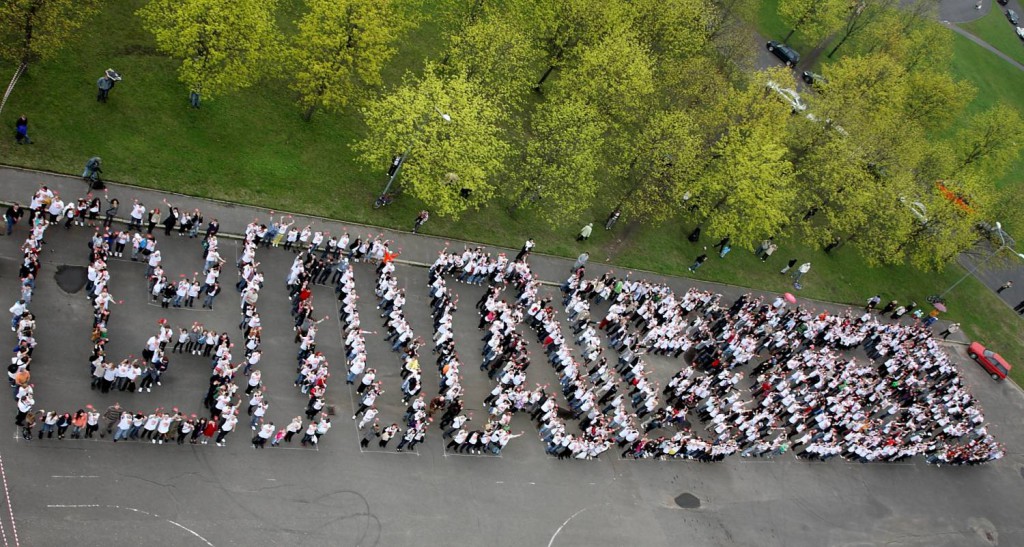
(100, 493)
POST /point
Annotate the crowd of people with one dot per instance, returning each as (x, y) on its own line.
(140, 374)
(905, 399)
(759, 378)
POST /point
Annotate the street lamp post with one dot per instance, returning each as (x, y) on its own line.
(972, 271)
(399, 161)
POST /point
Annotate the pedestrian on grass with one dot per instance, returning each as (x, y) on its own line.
(803, 269)
(789, 266)
(421, 219)
(21, 131)
(723, 243)
(699, 261)
(585, 232)
(106, 83)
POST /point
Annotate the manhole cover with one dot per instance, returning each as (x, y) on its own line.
(688, 501)
(71, 279)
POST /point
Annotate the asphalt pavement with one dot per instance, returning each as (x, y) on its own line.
(95, 492)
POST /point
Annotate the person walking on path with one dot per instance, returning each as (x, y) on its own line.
(951, 329)
(21, 131)
(12, 216)
(93, 168)
(421, 219)
(585, 232)
(1004, 286)
(581, 261)
(699, 260)
(873, 302)
(525, 251)
(1019, 308)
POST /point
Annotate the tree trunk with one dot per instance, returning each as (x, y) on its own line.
(540, 82)
(26, 55)
(308, 114)
(790, 35)
(835, 49)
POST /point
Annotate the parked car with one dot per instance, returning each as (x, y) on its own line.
(812, 78)
(1003, 2)
(992, 362)
(785, 53)
(790, 96)
(1012, 17)
(1020, 32)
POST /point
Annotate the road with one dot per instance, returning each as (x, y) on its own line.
(100, 493)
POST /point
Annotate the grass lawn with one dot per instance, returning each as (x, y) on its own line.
(998, 32)
(253, 147)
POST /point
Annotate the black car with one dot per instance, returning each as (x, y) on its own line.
(1012, 17)
(1003, 2)
(785, 53)
(812, 79)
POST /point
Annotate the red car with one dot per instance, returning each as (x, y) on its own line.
(992, 362)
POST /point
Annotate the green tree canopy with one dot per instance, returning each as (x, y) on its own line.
(450, 165)
(499, 55)
(341, 47)
(223, 46)
(656, 174)
(563, 157)
(815, 19)
(35, 30)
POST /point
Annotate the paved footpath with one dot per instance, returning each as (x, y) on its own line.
(104, 494)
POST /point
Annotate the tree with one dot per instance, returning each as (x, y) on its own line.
(747, 190)
(615, 75)
(990, 142)
(861, 14)
(673, 29)
(35, 30)
(933, 99)
(341, 47)
(564, 25)
(728, 12)
(815, 19)
(563, 156)
(498, 55)
(450, 165)
(223, 46)
(656, 174)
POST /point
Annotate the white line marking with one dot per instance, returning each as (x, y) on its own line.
(552, 542)
(10, 510)
(154, 515)
(74, 476)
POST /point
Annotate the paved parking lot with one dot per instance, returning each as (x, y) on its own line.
(99, 493)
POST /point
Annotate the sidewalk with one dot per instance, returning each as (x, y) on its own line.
(415, 249)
